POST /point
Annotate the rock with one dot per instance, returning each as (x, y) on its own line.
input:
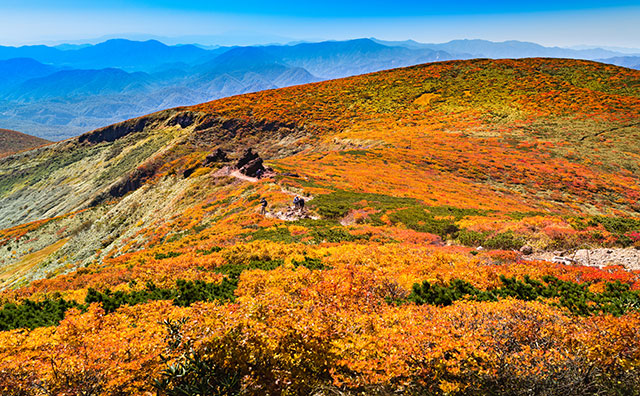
(562, 260)
(189, 172)
(251, 168)
(248, 156)
(526, 250)
(217, 156)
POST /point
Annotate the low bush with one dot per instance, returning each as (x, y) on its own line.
(616, 299)
(30, 314)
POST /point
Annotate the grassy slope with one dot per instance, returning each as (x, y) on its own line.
(519, 134)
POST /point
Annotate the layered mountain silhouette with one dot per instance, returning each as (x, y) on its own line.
(511, 49)
(632, 62)
(59, 92)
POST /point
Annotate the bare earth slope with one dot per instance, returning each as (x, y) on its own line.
(12, 142)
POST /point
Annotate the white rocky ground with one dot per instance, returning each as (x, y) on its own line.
(601, 257)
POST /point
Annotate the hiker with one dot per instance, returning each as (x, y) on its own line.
(259, 173)
(296, 202)
(301, 204)
(263, 203)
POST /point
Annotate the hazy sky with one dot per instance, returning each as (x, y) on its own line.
(563, 23)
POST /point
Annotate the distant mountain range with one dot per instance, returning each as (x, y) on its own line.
(62, 91)
(632, 62)
(507, 49)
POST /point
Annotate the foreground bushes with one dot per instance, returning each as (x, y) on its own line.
(30, 314)
(334, 335)
(325, 326)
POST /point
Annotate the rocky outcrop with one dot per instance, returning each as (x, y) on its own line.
(526, 250)
(114, 132)
(629, 258)
(253, 168)
(247, 157)
(250, 164)
(183, 119)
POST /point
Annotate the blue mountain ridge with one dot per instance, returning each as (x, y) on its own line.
(59, 92)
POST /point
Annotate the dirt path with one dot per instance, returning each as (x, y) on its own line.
(239, 175)
(288, 213)
(229, 171)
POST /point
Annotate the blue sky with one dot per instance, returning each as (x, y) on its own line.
(563, 23)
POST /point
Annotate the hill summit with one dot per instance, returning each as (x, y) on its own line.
(13, 141)
(165, 253)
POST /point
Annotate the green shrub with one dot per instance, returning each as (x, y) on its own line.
(619, 226)
(472, 238)
(419, 219)
(616, 225)
(206, 252)
(275, 234)
(506, 240)
(337, 204)
(310, 263)
(616, 299)
(162, 256)
(30, 314)
(193, 291)
(113, 300)
(194, 374)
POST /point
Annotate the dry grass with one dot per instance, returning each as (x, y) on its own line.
(29, 261)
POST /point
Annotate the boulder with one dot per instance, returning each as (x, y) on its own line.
(252, 167)
(248, 156)
(189, 172)
(526, 250)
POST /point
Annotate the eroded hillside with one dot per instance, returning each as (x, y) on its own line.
(405, 174)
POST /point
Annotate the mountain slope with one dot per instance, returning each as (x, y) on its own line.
(17, 70)
(186, 74)
(509, 136)
(12, 142)
(141, 247)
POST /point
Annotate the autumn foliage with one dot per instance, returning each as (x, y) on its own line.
(385, 289)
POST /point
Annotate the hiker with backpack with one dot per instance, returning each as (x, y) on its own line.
(263, 204)
(298, 203)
